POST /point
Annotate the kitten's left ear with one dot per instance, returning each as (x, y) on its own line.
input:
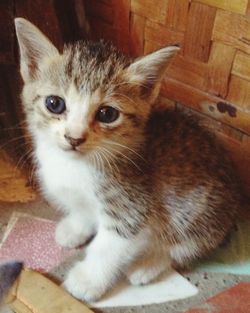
(34, 46)
(149, 70)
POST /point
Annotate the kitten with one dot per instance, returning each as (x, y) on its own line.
(8, 274)
(153, 188)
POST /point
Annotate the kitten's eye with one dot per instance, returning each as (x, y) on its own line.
(107, 114)
(55, 104)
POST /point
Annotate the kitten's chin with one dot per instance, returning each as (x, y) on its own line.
(75, 152)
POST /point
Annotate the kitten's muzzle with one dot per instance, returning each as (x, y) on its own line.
(75, 142)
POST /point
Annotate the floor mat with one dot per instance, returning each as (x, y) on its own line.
(31, 240)
(233, 300)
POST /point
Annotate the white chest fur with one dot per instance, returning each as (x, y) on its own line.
(69, 182)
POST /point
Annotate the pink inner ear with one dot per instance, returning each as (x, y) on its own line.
(31, 240)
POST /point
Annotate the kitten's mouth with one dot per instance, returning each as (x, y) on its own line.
(73, 150)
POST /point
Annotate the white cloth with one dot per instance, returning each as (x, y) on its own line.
(171, 287)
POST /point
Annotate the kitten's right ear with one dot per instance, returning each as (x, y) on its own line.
(34, 47)
(149, 70)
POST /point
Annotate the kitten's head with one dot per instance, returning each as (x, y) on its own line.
(89, 96)
(8, 274)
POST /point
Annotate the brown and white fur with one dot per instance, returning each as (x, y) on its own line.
(153, 188)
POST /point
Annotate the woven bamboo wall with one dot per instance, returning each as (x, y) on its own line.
(211, 75)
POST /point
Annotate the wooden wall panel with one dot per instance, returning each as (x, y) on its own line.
(199, 30)
(207, 104)
(102, 30)
(155, 10)
(248, 9)
(177, 14)
(220, 64)
(188, 71)
(237, 6)
(7, 32)
(158, 33)
(47, 21)
(122, 24)
(232, 29)
(241, 65)
(151, 46)
(137, 26)
(100, 10)
(239, 92)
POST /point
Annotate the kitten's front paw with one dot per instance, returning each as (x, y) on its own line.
(82, 284)
(71, 234)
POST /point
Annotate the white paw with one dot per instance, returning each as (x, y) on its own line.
(70, 234)
(143, 276)
(81, 283)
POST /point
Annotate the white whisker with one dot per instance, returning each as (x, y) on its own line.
(123, 146)
(102, 152)
(101, 163)
(25, 157)
(15, 139)
(16, 126)
(32, 173)
(113, 157)
(93, 156)
(126, 157)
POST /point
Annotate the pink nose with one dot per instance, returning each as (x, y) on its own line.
(75, 142)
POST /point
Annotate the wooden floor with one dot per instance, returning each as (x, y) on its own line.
(14, 185)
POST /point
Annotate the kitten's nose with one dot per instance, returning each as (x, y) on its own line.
(75, 142)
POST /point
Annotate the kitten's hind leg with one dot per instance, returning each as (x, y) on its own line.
(147, 269)
(186, 252)
(75, 229)
(145, 275)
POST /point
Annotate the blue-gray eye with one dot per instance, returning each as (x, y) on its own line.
(107, 114)
(55, 104)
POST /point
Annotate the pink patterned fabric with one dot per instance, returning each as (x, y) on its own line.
(31, 240)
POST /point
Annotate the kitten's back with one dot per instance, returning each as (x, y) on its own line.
(199, 184)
